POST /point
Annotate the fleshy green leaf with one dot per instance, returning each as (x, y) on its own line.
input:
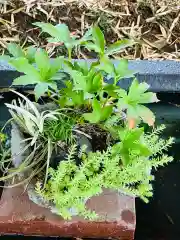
(87, 36)
(122, 70)
(48, 28)
(43, 63)
(22, 65)
(25, 80)
(94, 117)
(98, 38)
(131, 112)
(99, 113)
(142, 87)
(64, 33)
(106, 112)
(53, 85)
(106, 65)
(30, 54)
(145, 114)
(40, 89)
(82, 67)
(92, 46)
(119, 46)
(121, 93)
(137, 93)
(131, 140)
(60, 33)
(55, 66)
(97, 83)
(77, 97)
(148, 97)
(79, 80)
(15, 50)
(5, 58)
(133, 89)
(142, 149)
(132, 135)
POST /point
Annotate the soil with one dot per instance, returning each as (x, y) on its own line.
(98, 135)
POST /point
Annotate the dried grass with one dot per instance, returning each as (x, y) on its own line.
(154, 24)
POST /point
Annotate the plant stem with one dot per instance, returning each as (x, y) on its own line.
(107, 100)
(70, 54)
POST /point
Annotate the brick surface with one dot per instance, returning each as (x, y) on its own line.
(18, 215)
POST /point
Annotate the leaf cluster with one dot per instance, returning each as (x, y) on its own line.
(45, 129)
(71, 185)
(85, 98)
(84, 85)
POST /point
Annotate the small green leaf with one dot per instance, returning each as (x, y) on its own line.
(119, 46)
(98, 38)
(64, 33)
(134, 135)
(48, 28)
(90, 117)
(92, 46)
(142, 149)
(137, 93)
(131, 140)
(106, 112)
(30, 54)
(133, 88)
(148, 97)
(97, 83)
(59, 76)
(132, 116)
(79, 80)
(25, 80)
(122, 70)
(121, 93)
(143, 87)
(93, 117)
(82, 67)
(96, 106)
(5, 58)
(52, 85)
(77, 97)
(99, 113)
(55, 66)
(22, 65)
(87, 36)
(43, 63)
(106, 65)
(145, 114)
(60, 33)
(40, 89)
(15, 50)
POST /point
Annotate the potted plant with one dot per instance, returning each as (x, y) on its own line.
(90, 134)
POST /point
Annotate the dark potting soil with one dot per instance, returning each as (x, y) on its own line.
(160, 218)
(99, 137)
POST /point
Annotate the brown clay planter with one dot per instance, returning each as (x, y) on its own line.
(18, 215)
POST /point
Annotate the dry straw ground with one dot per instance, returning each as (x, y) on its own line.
(154, 24)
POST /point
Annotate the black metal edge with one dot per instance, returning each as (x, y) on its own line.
(162, 76)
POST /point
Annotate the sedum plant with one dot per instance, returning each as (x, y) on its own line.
(127, 168)
(96, 131)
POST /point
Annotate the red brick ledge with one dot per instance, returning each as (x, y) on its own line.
(18, 215)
